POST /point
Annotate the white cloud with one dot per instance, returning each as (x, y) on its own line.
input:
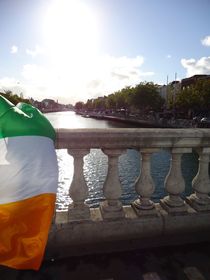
(10, 83)
(36, 74)
(168, 56)
(146, 74)
(17, 87)
(193, 66)
(38, 50)
(14, 49)
(80, 81)
(84, 79)
(206, 41)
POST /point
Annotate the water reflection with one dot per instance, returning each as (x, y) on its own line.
(95, 165)
(70, 120)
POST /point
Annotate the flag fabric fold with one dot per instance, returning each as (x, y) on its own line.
(28, 184)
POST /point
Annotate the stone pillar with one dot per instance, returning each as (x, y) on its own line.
(200, 200)
(144, 185)
(174, 183)
(78, 209)
(112, 207)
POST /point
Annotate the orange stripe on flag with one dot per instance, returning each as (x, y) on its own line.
(24, 227)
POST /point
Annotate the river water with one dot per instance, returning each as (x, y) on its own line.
(95, 165)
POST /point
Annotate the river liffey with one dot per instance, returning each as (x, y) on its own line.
(95, 165)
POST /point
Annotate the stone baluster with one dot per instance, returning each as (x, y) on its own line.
(112, 207)
(144, 185)
(78, 209)
(200, 200)
(174, 183)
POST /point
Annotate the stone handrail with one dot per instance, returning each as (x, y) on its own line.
(143, 218)
(132, 138)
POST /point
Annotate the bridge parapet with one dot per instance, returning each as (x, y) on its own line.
(143, 222)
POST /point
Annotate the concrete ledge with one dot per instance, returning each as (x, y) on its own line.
(132, 232)
(115, 138)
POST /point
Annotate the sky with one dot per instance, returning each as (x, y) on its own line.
(74, 50)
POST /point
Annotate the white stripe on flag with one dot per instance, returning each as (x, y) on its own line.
(28, 167)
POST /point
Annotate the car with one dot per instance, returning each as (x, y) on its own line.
(204, 122)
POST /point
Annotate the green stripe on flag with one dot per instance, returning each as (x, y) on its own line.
(23, 120)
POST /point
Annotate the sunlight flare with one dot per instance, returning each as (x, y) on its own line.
(70, 32)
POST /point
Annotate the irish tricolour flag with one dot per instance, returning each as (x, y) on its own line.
(28, 183)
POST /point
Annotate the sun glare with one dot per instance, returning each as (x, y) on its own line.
(70, 31)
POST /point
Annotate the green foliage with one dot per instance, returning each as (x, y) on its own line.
(195, 97)
(111, 101)
(14, 98)
(143, 96)
(122, 97)
(89, 104)
(79, 105)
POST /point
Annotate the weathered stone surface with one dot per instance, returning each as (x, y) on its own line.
(176, 210)
(111, 211)
(112, 207)
(98, 234)
(111, 227)
(78, 191)
(200, 200)
(194, 202)
(144, 212)
(132, 138)
(144, 185)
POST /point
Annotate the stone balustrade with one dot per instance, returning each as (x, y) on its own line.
(143, 222)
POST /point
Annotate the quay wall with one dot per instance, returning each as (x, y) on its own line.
(141, 121)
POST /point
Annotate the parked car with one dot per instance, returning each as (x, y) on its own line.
(204, 122)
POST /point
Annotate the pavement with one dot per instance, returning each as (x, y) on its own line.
(183, 262)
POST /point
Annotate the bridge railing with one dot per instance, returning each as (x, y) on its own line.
(114, 142)
(177, 218)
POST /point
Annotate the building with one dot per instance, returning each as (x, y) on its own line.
(163, 91)
(169, 92)
(185, 83)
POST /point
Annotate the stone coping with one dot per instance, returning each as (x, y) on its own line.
(132, 138)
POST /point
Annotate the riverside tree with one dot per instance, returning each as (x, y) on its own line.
(145, 97)
(79, 105)
(195, 98)
(14, 98)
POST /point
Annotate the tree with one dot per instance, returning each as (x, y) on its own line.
(100, 103)
(195, 98)
(145, 96)
(123, 97)
(14, 98)
(111, 102)
(89, 104)
(79, 105)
